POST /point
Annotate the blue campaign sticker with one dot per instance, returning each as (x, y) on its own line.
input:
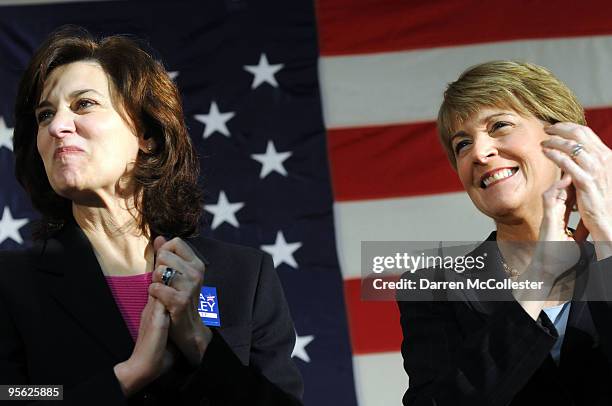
(209, 307)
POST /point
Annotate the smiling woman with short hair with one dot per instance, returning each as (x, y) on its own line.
(518, 140)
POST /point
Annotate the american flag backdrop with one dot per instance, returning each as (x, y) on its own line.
(315, 127)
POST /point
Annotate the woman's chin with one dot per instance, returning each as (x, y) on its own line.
(500, 208)
(67, 186)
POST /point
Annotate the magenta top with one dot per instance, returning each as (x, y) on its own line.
(131, 294)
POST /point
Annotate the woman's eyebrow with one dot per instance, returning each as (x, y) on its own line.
(462, 133)
(457, 135)
(76, 93)
(488, 118)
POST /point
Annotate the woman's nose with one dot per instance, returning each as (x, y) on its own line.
(62, 124)
(484, 149)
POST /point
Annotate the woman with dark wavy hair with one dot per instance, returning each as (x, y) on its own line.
(104, 303)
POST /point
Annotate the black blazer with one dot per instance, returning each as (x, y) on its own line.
(59, 324)
(473, 353)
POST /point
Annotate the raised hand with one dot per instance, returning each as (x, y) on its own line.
(581, 154)
(181, 296)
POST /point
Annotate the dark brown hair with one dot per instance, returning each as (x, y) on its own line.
(166, 178)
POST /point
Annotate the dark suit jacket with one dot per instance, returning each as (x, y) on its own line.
(493, 353)
(59, 324)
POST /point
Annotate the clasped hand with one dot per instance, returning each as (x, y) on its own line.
(181, 297)
(586, 185)
(587, 181)
(170, 312)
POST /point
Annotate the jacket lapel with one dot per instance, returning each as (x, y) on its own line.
(71, 274)
(482, 301)
(579, 332)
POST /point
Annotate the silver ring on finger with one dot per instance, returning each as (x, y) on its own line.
(576, 150)
(168, 275)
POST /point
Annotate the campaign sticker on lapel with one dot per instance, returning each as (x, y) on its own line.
(209, 307)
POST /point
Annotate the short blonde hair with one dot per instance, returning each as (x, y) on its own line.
(523, 87)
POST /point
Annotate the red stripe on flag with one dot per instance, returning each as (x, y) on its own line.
(389, 161)
(405, 160)
(368, 26)
(374, 325)
(600, 120)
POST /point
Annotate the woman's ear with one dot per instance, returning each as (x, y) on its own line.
(146, 145)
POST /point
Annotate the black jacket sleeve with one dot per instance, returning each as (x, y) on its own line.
(13, 360)
(598, 293)
(271, 377)
(487, 366)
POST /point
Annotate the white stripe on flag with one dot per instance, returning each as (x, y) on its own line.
(380, 378)
(444, 217)
(400, 87)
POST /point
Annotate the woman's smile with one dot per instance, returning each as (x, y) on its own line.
(496, 150)
(496, 176)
